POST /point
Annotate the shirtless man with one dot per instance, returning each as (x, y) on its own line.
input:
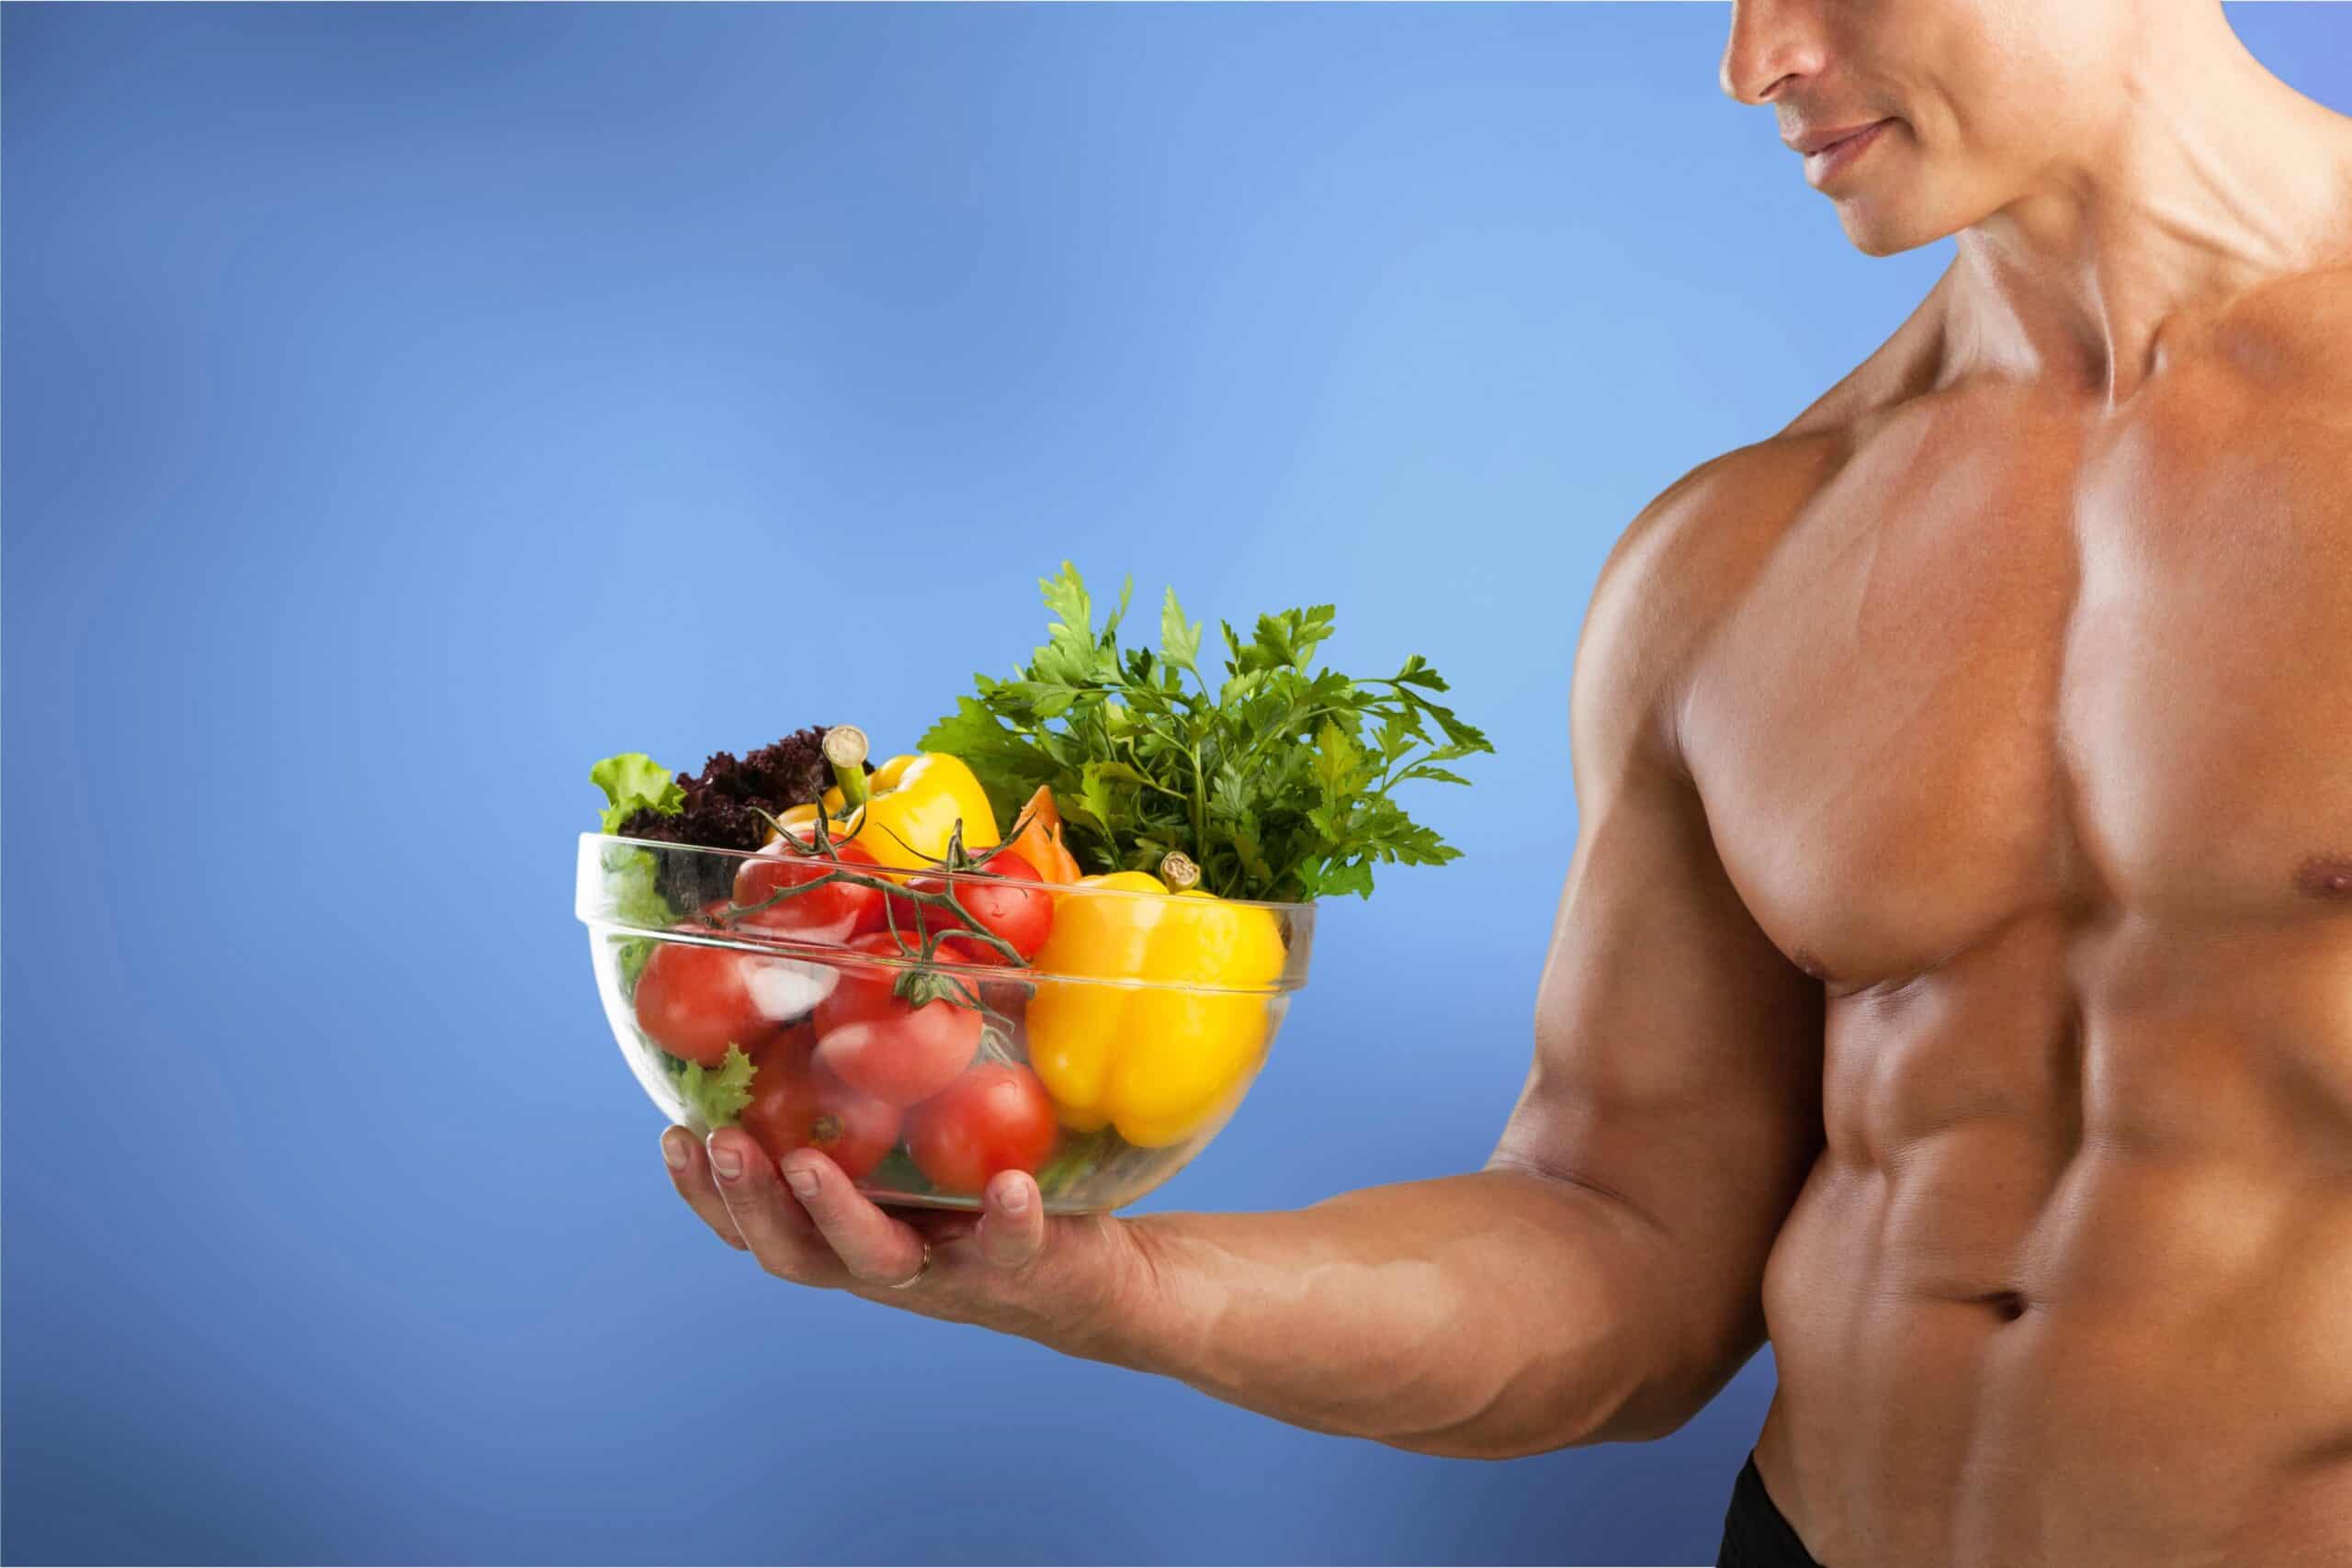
(1953, 981)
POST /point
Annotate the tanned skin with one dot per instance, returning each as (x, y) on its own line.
(1953, 980)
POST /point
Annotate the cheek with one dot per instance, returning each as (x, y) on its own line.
(1978, 77)
(2025, 78)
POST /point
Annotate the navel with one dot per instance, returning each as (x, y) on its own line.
(2325, 876)
(2007, 1305)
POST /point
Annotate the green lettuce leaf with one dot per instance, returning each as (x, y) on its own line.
(716, 1099)
(632, 782)
(637, 901)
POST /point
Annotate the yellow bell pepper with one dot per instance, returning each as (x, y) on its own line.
(1158, 1061)
(904, 811)
(912, 804)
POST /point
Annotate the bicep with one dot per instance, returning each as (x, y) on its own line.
(1678, 1053)
(1677, 1067)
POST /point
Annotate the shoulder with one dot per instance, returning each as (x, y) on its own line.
(1676, 573)
(2259, 393)
(1705, 532)
(1687, 559)
(2286, 342)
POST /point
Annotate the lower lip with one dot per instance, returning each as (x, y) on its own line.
(1834, 160)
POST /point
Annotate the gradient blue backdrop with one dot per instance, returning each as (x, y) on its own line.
(406, 407)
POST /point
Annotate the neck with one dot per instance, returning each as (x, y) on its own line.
(2215, 176)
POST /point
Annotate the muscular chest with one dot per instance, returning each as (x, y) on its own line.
(2003, 663)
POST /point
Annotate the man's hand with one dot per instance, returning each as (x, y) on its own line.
(1009, 1268)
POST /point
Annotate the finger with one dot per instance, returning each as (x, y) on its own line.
(874, 1248)
(937, 1226)
(1013, 1221)
(690, 1174)
(765, 1216)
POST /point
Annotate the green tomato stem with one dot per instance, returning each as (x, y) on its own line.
(942, 900)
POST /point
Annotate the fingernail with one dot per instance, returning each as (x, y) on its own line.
(673, 1151)
(1015, 1199)
(802, 1182)
(725, 1161)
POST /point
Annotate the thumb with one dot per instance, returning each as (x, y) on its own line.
(1013, 1221)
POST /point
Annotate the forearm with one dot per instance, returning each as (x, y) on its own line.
(1480, 1315)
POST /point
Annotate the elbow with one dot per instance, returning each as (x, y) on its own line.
(1597, 1392)
(1565, 1330)
(1652, 1414)
(1637, 1422)
(1642, 1418)
(1663, 1404)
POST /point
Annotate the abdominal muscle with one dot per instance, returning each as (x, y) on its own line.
(2069, 1292)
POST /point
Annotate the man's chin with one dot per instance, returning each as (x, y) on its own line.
(1877, 229)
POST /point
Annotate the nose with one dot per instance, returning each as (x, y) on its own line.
(1772, 44)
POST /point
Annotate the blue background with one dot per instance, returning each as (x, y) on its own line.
(406, 407)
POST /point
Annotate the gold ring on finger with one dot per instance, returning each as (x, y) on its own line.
(921, 1270)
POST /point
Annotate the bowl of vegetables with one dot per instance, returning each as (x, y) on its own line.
(1060, 937)
(928, 1026)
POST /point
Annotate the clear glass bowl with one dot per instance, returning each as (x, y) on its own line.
(1104, 1064)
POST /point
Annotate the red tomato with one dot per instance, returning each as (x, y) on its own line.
(795, 1043)
(963, 947)
(880, 1045)
(1008, 898)
(798, 1104)
(1010, 997)
(992, 1117)
(696, 1001)
(885, 910)
(830, 913)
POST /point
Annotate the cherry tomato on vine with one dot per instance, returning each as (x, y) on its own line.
(829, 913)
(696, 1001)
(1006, 896)
(887, 908)
(992, 1117)
(881, 1044)
(798, 1104)
(1010, 996)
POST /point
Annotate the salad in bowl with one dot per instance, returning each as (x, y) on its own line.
(1060, 937)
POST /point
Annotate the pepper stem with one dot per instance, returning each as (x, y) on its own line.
(845, 748)
(1179, 871)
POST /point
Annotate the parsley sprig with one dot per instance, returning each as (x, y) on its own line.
(1277, 781)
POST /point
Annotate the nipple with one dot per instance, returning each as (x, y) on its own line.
(2325, 876)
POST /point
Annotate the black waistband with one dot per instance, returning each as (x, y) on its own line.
(1755, 1535)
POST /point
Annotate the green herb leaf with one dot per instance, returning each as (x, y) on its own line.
(1278, 782)
(1335, 762)
(1179, 639)
(1095, 807)
(1066, 596)
(1417, 672)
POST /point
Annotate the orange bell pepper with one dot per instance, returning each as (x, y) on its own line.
(1040, 839)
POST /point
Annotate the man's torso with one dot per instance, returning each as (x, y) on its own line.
(2027, 728)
